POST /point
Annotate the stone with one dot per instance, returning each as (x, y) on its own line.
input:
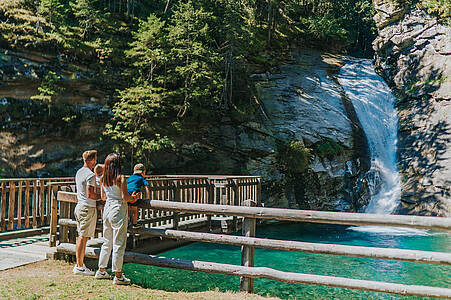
(418, 68)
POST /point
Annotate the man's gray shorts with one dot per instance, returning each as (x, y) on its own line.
(86, 217)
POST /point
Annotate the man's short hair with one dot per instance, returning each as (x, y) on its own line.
(89, 155)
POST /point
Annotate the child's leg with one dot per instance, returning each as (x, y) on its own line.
(134, 210)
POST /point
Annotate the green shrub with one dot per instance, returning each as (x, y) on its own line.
(328, 148)
(294, 157)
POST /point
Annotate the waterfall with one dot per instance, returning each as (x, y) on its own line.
(374, 104)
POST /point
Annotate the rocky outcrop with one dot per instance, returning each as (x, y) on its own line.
(413, 54)
(304, 107)
(37, 139)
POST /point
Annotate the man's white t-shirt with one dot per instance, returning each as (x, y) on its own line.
(83, 178)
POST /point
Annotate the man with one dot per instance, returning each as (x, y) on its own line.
(85, 211)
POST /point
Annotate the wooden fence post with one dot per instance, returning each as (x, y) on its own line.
(26, 213)
(248, 252)
(41, 202)
(236, 201)
(3, 207)
(35, 204)
(53, 217)
(12, 202)
(259, 192)
(63, 234)
(210, 195)
(176, 199)
(19, 206)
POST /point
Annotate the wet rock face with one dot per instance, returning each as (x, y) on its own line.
(303, 103)
(413, 53)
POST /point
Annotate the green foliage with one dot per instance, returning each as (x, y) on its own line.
(294, 157)
(146, 50)
(440, 8)
(324, 28)
(167, 62)
(139, 117)
(53, 11)
(328, 148)
(49, 89)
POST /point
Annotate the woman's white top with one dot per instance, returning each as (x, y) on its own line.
(113, 193)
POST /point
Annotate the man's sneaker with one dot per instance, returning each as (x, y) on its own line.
(122, 280)
(82, 271)
(102, 275)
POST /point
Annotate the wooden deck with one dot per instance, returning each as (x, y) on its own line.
(28, 206)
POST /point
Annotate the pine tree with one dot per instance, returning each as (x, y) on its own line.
(192, 61)
(146, 51)
(87, 14)
(53, 10)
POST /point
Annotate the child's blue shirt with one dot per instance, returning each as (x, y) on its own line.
(135, 182)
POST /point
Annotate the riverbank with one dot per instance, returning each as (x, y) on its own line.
(54, 280)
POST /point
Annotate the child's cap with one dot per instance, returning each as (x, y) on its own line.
(139, 168)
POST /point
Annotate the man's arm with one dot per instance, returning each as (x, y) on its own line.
(91, 188)
(91, 193)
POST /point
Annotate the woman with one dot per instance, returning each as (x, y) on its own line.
(115, 219)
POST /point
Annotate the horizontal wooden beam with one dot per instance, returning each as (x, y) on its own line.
(298, 215)
(67, 197)
(73, 223)
(418, 256)
(429, 257)
(263, 272)
(327, 217)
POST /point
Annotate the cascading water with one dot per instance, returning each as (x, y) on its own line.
(375, 107)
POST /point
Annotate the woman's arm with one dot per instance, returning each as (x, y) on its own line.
(102, 193)
(124, 190)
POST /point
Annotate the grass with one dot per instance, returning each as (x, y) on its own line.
(54, 280)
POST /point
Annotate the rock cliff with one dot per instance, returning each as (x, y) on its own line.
(302, 139)
(304, 136)
(413, 54)
(46, 140)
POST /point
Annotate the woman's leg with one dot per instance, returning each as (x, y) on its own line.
(120, 222)
(107, 245)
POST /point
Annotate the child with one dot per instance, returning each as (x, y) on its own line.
(134, 184)
(98, 170)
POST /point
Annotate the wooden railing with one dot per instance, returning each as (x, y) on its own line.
(187, 189)
(26, 202)
(248, 272)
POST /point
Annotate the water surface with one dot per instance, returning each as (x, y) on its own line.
(358, 268)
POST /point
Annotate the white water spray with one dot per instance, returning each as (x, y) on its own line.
(375, 107)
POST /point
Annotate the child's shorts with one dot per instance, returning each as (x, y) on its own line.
(138, 202)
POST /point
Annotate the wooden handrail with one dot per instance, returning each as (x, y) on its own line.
(263, 272)
(283, 214)
(248, 272)
(305, 215)
(428, 257)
